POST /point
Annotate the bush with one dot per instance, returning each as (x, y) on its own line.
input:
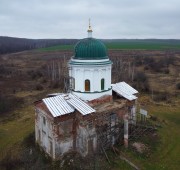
(146, 68)
(148, 60)
(178, 86)
(10, 162)
(166, 71)
(140, 77)
(29, 140)
(39, 87)
(161, 97)
(35, 74)
(43, 81)
(54, 85)
(141, 82)
(8, 103)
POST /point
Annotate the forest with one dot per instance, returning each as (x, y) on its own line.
(11, 44)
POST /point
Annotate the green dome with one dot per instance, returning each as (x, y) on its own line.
(90, 49)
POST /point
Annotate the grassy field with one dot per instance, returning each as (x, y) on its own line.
(13, 131)
(57, 48)
(127, 45)
(166, 153)
(19, 123)
(142, 46)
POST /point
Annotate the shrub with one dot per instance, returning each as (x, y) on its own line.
(10, 162)
(39, 87)
(35, 74)
(161, 97)
(146, 68)
(148, 60)
(54, 85)
(29, 140)
(8, 103)
(141, 82)
(178, 86)
(140, 77)
(166, 71)
(43, 81)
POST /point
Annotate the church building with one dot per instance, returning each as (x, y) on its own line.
(94, 114)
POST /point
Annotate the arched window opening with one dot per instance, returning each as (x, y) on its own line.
(87, 85)
(102, 84)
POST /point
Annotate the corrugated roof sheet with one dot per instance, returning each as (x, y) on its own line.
(58, 106)
(125, 90)
(66, 103)
(80, 105)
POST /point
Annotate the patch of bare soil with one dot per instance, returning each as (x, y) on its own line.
(140, 147)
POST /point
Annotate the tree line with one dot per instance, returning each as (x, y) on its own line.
(11, 44)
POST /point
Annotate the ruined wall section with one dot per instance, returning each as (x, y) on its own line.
(44, 131)
(86, 139)
(85, 134)
(64, 137)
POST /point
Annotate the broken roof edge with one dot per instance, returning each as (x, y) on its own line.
(123, 84)
(125, 90)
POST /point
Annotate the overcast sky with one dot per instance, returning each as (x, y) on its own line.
(109, 18)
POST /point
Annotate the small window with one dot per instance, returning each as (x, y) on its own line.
(72, 83)
(44, 120)
(90, 124)
(113, 117)
(51, 148)
(39, 135)
(87, 85)
(102, 84)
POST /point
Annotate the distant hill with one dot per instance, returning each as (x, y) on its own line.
(11, 44)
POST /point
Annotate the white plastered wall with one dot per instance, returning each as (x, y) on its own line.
(93, 72)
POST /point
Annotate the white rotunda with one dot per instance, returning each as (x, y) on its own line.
(90, 69)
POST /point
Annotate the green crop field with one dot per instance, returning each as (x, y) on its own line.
(57, 48)
(127, 45)
(142, 46)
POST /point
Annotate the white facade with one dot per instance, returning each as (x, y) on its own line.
(47, 134)
(57, 139)
(97, 72)
(44, 132)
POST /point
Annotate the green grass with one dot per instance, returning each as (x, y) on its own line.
(57, 48)
(127, 45)
(142, 46)
(14, 130)
(165, 154)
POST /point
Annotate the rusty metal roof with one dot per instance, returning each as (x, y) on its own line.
(125, 90)
(66, 103)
